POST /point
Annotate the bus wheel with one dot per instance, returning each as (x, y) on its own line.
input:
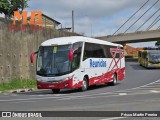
(114, 82)
(55, 90)
(85, 84)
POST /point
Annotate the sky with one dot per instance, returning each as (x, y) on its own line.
(95, 18)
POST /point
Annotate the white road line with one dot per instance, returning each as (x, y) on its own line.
(122, 94)
(146, 88)
(10, 100)
(113, 118)
(155, 91)
(90, 97)
(22, 102)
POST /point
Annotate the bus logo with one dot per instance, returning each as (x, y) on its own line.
(99, 63)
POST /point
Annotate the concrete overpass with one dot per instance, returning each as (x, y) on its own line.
(140, 36)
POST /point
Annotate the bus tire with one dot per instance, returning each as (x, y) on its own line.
(84, 85)
(55, 90)
(114, 82)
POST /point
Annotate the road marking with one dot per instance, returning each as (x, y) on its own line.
(113, 118)
(23, 102)
(155, 91)
(122, 94)
(27, 99)
(80, 98)
(90, 97)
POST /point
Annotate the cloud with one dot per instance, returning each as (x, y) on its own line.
(95, 17)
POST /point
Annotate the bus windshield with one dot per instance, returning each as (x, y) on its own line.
(154, 58)
(53, 60)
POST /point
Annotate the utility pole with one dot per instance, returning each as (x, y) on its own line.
(72, 21)
(91, 30)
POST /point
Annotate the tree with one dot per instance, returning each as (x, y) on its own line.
(9, 6)
(157, 43)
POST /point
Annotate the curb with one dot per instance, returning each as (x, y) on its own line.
(22, 90)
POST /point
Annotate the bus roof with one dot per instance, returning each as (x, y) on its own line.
(74, 39)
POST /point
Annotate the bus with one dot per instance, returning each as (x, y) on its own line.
(78, 62)
(149, 57)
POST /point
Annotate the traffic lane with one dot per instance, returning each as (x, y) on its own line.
(133, 102)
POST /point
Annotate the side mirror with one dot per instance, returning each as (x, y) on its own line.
(32, 56)
(71, 52)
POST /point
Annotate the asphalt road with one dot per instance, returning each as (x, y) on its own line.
(139, 91)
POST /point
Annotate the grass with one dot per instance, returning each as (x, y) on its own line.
(18, 84)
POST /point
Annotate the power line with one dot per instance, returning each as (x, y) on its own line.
(131, 17)
(142, 15)
(158, 28)
(155, 22)
(148, 19)
(151, 25)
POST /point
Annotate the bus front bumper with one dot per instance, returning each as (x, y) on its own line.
(55, 85)
(153, 65)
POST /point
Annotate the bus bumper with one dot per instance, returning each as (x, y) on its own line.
(55, 85)
(153, 66)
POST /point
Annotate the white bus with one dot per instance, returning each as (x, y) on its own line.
(78, 62)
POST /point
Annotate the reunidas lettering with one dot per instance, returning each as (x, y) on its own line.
(99, 63)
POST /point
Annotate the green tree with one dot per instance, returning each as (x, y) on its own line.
(157, 43)
(9, 6)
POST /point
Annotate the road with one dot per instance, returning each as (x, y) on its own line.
(139, 91)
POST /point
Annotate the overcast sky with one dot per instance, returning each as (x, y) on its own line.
(96, 17)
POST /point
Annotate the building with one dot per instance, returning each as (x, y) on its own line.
(131, 51)
(49, 22)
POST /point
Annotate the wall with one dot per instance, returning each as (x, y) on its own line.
(15, 49)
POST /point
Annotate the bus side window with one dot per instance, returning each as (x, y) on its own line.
(92, 50)
(77, 47)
